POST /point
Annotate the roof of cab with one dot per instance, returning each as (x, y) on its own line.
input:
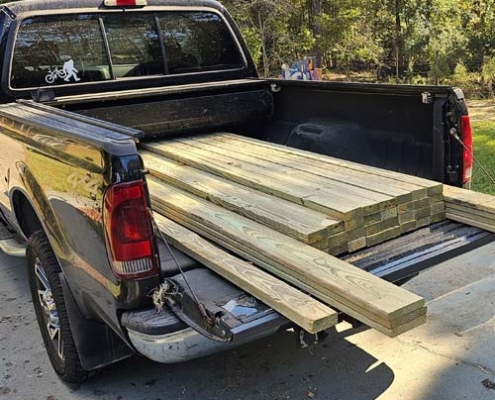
(20, 7)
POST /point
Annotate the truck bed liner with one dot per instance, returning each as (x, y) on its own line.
(409, 254)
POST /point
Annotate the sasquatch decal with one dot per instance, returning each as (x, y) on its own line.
(70, 71)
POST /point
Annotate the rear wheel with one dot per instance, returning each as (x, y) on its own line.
(49, 306)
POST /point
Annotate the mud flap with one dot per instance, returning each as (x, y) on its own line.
(97, 344)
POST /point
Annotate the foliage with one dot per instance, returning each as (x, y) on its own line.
(470, 82)
(400, 40)
(488, 73)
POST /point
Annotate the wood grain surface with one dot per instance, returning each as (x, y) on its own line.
(307, 312)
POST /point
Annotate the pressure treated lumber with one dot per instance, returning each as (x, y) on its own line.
(323, 177)
(488, 219)
(453, 208)
(338, 250)
(339, 244)
(438, 217)
(296, 221)
(334, 177)
(469, 198)
(471, 208)
(331, 204)
(350, 289)
(402, 191)
(488, 226)
(341, 195)
(411, 226)
(308, 313)
(432, 188)
(402, 324)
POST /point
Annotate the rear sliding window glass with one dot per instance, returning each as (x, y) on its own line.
(69, 49)
(198, 41)
(134, 44)
(57, 49)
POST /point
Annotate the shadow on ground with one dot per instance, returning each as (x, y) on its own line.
(269, 369)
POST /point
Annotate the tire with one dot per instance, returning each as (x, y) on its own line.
(50, 309)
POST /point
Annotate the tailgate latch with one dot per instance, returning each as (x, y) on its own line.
(427, 97)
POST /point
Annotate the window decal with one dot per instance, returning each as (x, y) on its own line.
(67, 72)
(70, 71)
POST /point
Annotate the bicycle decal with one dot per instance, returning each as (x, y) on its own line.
(54, 74)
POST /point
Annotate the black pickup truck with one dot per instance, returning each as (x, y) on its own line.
(84, 83)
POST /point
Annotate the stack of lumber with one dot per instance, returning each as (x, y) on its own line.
(471, 208)
(371, 300)
(230, 201)
(338, 206)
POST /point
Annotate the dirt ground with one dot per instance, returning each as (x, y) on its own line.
(482, 110)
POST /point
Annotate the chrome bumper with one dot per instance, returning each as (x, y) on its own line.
(184, 345)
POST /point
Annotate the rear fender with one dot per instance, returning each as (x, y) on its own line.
(29, 189)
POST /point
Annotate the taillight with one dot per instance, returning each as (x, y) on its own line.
(467, 139)
(129, 232)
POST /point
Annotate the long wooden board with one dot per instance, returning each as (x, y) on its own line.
(384, 191)
(432, 188)
(296, 221)
(298, 307)
(369, 202)
(471, 208)
(488, 219)
(465, 220)
(350, 289)
(403, 192)
(469, 198)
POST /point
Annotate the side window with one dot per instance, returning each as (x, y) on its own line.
(198, 41)
(55, 50)
(134, 44)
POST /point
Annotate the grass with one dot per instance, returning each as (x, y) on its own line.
(484, 151)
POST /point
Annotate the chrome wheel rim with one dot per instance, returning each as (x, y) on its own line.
(50, 313)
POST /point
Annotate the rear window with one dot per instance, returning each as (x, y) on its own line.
(81, 48)
(59, 49)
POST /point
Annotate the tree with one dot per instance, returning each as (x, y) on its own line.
(414, 40)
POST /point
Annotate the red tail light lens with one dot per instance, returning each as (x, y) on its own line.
(129, 231)
(467, 138)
